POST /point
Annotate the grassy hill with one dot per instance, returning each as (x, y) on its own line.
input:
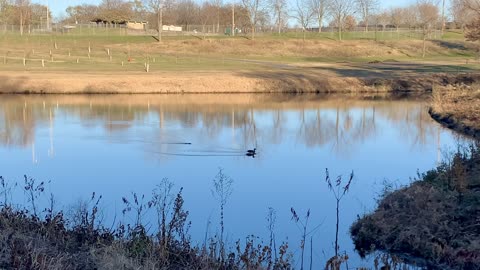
(115, 50)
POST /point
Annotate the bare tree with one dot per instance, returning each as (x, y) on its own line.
(462, 13)
(6, 13)
(138, 9)
(206, 15)
(473, 31)
(232, 30)
(4, 5)
(443, 17)
(303, 14)
(279, 9)
(82, 13)
(264, 20)
(37, 15)
(366, 8)
(472, 8)
(473, 5)
(383, 19)
(187, 12)
(319, 9)
(23, 10)
(115, 11)
(428, 17)
(218, 6)
(396, 17)
(340, 9)
(157, 7)
(350, 23)
(241, 18)
(410, 17)
(254, 9)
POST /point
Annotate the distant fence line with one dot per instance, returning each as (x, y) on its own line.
(103, 29)
(139, 61)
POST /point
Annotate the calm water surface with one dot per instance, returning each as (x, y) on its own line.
(115, 145)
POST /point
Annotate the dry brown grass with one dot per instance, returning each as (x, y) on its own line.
(171, 82)
(292, 48)
(458, 106)
(332, 78)
(134, 82)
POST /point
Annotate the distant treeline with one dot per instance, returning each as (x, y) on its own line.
(256, 14)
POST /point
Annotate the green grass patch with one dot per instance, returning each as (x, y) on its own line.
(105, 49)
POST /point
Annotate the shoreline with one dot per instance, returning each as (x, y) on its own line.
(458, 108)
(286, 82)
(451, 122)
(422, 220)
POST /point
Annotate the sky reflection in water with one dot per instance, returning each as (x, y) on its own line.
(114, 145)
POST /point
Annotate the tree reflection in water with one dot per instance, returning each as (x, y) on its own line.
(339, 122)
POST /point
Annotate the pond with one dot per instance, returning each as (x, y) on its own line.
(115, 145)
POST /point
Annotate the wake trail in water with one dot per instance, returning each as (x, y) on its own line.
(216, 151)
(199, 155)
(121, 140)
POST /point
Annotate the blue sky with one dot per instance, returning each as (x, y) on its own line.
(58, 6)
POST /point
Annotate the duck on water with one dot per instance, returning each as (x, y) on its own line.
(251, 153)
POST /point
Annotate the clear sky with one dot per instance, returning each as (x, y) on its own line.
(58, 6)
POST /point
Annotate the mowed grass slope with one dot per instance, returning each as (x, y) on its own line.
(93, 50)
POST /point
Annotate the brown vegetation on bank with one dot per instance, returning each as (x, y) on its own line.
(31, 238)
(458, 108)
(285, 81)
(435, 219)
